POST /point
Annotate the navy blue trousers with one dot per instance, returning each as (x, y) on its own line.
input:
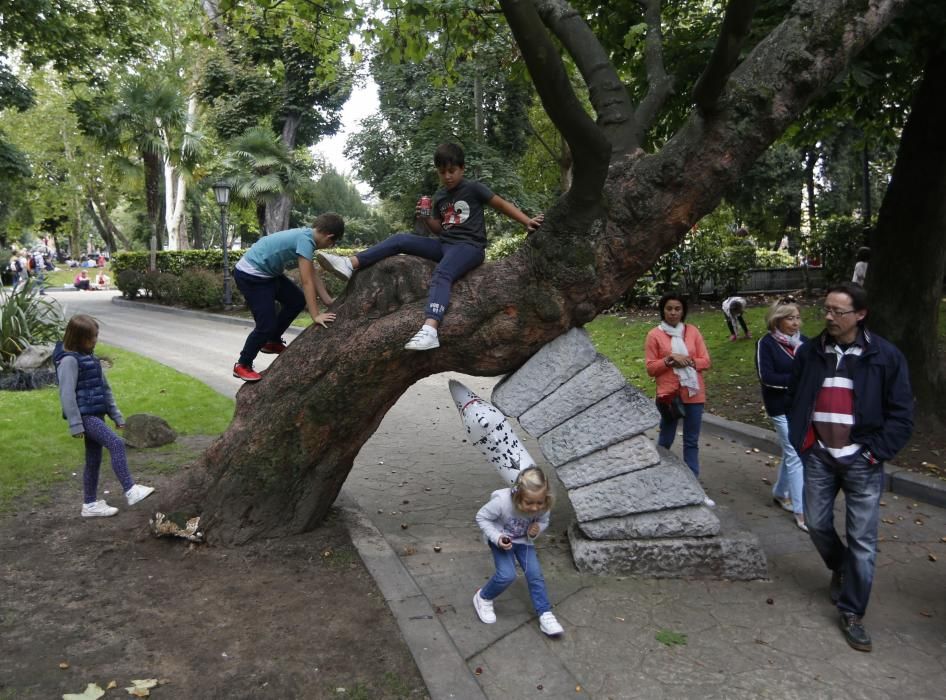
(261, 294)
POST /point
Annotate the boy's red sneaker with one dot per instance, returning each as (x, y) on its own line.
(273, 347)
(247, 374)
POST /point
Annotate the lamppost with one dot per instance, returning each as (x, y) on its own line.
(222, 193)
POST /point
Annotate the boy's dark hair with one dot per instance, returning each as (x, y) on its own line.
(672, 296)
(863, 254)
(81, 333)
(736, 308)
(449, 154)
(331, 224)
(857, 293)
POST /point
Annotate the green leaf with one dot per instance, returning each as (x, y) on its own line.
(671, 638)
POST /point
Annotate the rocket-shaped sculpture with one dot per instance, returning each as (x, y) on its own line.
(489, 430)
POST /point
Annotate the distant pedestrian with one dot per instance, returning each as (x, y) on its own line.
(733, 308)
(774, 355)
(860, 267)
(676, 357)
(260, 276)
(510, 522)
(86, 399)
(844, 443)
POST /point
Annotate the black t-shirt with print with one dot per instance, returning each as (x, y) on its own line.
(460, 211)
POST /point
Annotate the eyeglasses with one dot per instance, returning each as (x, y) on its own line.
(828, 311)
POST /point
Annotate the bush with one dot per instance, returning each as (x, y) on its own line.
(836, 243)
(129, 282)
(505, 246)
(161, 286)
(200, 289)
(27, 318)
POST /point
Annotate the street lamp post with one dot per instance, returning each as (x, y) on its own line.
(222, 194)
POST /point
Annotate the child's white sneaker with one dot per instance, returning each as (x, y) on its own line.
(549, 625)
(138, 493)
(338, 265)
(424, 339)
(98, 509)
(484, 608)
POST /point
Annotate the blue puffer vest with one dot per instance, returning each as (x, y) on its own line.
(90, 385)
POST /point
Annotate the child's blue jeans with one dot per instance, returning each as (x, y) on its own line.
(261, 294)
(506, 573)
(454, 260)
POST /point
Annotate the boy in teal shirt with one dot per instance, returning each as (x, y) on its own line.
(260, 277)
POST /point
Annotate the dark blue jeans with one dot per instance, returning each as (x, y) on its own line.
(692, 421)
(454, 260)
(863, 485)
(505, 575)
(261, 294)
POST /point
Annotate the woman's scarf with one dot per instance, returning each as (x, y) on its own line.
(789, 342)
(687, 375)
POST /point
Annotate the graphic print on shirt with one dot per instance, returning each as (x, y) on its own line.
(456, 213)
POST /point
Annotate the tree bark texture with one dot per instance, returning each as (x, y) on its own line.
(279, 466)
(908, 258)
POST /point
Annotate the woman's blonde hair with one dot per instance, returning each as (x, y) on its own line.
(81, 333)
(532, 480)
(781, 309)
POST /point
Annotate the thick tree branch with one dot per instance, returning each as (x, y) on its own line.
(590, 147)
(659, 83)
(732, 35)
(607, 92)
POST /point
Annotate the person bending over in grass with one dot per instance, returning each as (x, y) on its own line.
(86, 399)
(260, 277)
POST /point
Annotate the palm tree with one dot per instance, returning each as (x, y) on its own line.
(261, 170)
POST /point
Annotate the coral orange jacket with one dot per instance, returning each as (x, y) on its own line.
(657, 347)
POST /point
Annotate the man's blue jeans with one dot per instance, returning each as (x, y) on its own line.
(791, 471)
(261, 294)
(506, 573)
(692, 421)
(862, 484)
(453, 261)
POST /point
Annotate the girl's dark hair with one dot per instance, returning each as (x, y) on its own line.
(81, 333)
(863, 254)
(672, 296)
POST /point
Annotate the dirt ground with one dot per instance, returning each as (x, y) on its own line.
(98, 600)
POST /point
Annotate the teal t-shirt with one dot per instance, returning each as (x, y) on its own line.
(274, 254)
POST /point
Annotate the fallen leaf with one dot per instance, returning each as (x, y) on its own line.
(92, 692)
(889, 521)
(437, 548)
(926, 614)
(932, 557)
(111, 684)
(63, 665)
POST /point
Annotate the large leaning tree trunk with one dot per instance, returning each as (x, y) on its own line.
(908, 258)
(281, 463)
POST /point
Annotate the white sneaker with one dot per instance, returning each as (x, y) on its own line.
(709, 502)
(424, 339)
(99, 509)
(549, 625)
(138, 493)
(484, 609)
(338, 265)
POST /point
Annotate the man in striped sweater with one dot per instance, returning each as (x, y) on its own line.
(851, 410)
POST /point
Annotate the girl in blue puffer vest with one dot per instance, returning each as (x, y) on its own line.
(86, 399)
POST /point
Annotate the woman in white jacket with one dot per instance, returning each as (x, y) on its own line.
(510, 522)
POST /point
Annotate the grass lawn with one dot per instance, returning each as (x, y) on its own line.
(38, 449)
(732, 387)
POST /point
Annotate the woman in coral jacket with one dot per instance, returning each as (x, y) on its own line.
(676, 358)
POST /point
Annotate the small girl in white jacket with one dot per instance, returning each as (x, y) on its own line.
(510, 522)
